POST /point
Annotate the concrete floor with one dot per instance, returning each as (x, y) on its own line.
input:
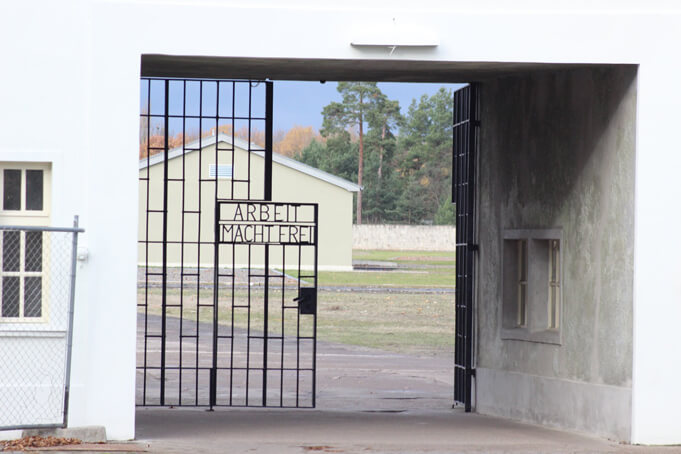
(369, 401)
(314, 431)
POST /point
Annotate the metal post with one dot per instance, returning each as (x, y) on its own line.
(69, 334)
(316, 287)
(212, 398)
(164, 277)
(471, 245)
(269, 100)
(266, 325)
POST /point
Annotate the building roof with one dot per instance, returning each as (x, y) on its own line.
(242, 144)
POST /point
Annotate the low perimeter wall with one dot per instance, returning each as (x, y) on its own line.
(404, 237)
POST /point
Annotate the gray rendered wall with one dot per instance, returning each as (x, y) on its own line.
(397, 237)
(558, 152)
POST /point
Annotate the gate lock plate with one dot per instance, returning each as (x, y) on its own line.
(307, 300)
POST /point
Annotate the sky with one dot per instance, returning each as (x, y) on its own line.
(301, 103)
(295, 102)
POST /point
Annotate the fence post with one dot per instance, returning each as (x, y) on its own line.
(72, 299)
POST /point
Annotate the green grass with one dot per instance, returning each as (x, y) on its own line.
(406, 257)
(414, 269)
(410, 323)
(411, 278)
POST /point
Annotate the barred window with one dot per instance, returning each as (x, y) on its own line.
(21, 292)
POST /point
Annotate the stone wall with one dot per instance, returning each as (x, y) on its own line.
(404, 237)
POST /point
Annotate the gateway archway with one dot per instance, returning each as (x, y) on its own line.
(545, 149)
(199, 231)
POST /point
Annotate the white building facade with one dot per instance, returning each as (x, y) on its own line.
(69, 99)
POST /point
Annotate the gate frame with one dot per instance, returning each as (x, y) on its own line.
(465, 150)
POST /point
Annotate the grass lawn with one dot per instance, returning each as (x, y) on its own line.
(403, 322)
(406, 257)
(388, 279)
(408, 323)
(414, 269)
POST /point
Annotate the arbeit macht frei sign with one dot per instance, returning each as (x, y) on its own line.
(252, 222)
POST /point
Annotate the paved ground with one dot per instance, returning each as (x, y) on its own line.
(369, 401)
(348, 377)
(316, 431)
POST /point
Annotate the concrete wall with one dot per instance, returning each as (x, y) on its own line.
(404, 237)
(289, 185)
(558, 152)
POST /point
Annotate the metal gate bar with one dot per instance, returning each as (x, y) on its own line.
(178, 117)
(190, 308)
(275, 352)
(465, 143)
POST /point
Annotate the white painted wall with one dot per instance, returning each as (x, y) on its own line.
(69, 93)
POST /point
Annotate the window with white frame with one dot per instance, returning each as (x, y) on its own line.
(24, 200)
(532, 285)
(23, 190)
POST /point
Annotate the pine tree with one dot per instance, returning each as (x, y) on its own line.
(425, 156)
(358, 99)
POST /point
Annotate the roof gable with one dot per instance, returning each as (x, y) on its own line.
(243, 145)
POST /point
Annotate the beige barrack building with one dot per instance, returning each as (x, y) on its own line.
(237, 175)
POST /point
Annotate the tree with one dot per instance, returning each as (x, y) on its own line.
(445, 214)
(381, 194)
(338, 155)
(358, 99)
(425, 155)
(382, 188)
(383, 119)
(295, 140)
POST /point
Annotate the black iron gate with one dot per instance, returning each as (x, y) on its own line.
(466, 135)
(206, 327)
(272, 361)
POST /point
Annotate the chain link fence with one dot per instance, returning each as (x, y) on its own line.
(37, 277)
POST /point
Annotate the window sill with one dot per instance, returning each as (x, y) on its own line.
(24, 213)
(32, 332)
(9, 322)
(547, 336)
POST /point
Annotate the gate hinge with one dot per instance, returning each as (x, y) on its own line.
(474, 247)
(476, 123)
(472, 372)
